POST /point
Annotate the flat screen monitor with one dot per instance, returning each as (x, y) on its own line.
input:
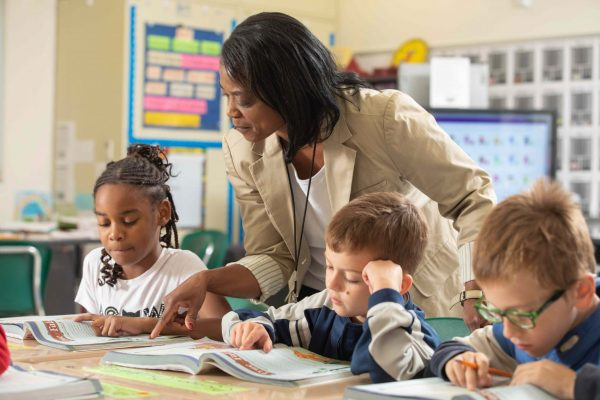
(514, 147)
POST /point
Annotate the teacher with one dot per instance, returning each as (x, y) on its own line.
(307, 139)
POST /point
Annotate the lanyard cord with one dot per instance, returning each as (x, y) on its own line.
(298, 246)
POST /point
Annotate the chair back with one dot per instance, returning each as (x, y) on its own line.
(24, 269)
(208, 244)
(448, 327)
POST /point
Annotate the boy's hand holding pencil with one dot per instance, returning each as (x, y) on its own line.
(471, 370)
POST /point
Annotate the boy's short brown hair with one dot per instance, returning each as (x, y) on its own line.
(541, 231)
(385, 223)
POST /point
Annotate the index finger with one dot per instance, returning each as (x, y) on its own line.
(84, 317)
(163, 320)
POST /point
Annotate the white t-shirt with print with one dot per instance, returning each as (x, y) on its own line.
(141, 296)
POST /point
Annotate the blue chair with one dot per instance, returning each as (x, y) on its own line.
(211, 246)
(448, 327)
(24, 269)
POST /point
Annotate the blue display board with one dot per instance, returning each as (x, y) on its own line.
(515, 148)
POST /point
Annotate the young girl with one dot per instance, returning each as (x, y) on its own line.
(136, 265)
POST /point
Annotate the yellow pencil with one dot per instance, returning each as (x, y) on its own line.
(492, 371)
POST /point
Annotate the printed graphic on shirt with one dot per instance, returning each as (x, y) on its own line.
(146, 312)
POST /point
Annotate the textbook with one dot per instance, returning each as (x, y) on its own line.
(15, 326)
(17, 383)
(438, 389)
(287, 366)
(66, 334)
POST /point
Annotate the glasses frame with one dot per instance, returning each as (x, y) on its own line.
(509, 314)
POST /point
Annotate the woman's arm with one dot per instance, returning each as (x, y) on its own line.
(215, 306)
(233, 280)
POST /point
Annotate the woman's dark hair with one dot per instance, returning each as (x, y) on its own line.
(147, 168)
(281, 62)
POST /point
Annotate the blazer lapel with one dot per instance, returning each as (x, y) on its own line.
(339, 165)
(270, 175)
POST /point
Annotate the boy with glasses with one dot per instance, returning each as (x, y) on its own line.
(534, 261)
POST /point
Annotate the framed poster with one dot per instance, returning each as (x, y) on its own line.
(173, 92)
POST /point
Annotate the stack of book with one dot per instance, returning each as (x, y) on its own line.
(17, 383)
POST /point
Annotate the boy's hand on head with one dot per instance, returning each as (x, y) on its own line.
(551, 376)
(383, 274)
(250, 335)
(468, 377)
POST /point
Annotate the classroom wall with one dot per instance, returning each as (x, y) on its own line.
(384, 24)
(91, 79)
(28, 91)
(89, 89)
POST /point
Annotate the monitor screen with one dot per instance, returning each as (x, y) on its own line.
(514, 147)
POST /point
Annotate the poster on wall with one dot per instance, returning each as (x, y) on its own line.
(181, 88)
(173, 92)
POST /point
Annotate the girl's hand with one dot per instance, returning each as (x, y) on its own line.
(115, 325)
(250, 335)
(468, 377)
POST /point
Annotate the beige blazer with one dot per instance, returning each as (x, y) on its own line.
(383, 141)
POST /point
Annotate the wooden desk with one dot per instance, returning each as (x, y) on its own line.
(253, 391)
(30, 351)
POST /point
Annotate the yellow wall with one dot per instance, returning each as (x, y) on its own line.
(89, 79)
(382, 25)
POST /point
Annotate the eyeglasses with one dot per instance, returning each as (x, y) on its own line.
(524, 320)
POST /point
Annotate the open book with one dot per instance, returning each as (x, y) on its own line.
(17, 383)
(288, 366)
(15, 326)
(66, 334)
(438, 389)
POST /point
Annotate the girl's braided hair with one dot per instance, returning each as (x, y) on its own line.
(148, 168)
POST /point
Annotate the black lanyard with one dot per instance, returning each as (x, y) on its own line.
(292, 297)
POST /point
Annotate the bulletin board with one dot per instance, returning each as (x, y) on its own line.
(173, 99)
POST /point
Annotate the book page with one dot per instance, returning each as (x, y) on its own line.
(68, 332)
(254, 365)
(194, 349)
(299, 363)
(14, 326)
(15, 379)
(436, 388)
(23, 319)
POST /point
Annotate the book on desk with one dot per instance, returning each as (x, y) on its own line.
(17, 383)
(66, 334)
(287, 366)
(438, 389)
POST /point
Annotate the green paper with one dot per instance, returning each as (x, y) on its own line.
(175, 382)
(186, 46)
(210, 47)
(122, 392)
(156, 42)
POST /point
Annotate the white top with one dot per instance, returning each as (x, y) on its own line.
(141, 296)
(318, 215)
